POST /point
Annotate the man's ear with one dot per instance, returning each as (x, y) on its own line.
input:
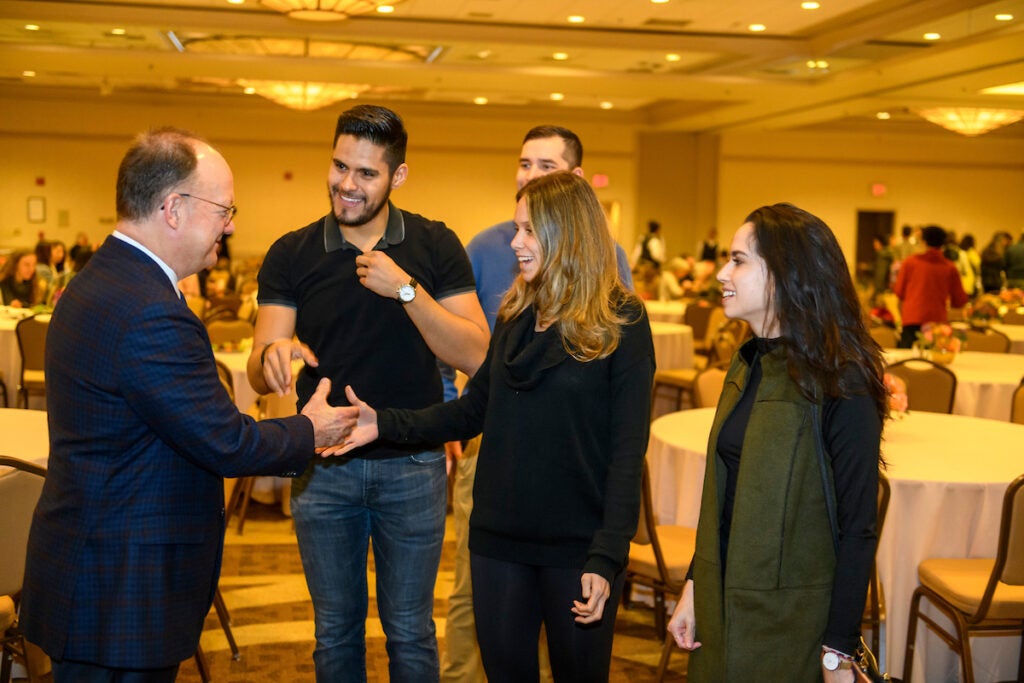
(578, 171)
(398, 179)
(170, 210)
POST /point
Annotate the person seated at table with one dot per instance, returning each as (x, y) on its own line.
(770, 591)
(19, 285)
(675, 282)
(563, 399)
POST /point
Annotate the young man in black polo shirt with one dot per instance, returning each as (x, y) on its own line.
(375, 295)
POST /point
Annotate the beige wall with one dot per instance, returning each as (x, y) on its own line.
(462, 169)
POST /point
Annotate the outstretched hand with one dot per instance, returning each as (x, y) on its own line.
(330, 424)
(365, 430)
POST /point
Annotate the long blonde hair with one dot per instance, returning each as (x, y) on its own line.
(577, 287)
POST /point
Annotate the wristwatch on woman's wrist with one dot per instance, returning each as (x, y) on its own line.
(833, 660)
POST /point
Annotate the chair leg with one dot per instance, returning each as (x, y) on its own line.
(659, 612)
(225, 623)
(966, 656)
(908, 654)
(666, 655)
(204, 670)
(247, 484)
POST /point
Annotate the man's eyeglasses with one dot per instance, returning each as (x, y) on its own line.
(229, 211)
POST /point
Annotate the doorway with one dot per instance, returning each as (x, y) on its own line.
(871, 224)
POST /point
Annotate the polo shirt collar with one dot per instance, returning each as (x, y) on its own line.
(394, 232)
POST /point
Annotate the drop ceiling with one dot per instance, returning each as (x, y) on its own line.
(690, 65)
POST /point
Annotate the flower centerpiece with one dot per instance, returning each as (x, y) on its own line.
(1011, 300)
(896, 388)
(940, 342)
(984, 311)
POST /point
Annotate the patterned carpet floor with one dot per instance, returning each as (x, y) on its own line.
(272, 616)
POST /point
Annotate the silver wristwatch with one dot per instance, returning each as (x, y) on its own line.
(407, 292)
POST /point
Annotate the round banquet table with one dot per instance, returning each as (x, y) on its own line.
(673, 345)
(26, 435)
(985, 382)
(236, 361)
(666, 311)
(1015, 333)
(946, 501)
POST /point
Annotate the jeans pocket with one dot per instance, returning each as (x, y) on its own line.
(427, 457)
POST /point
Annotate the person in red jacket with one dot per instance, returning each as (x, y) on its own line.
(927, 285)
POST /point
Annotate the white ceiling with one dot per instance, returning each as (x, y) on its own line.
(449, 52)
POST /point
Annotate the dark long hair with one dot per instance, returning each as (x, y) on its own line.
(829, 350)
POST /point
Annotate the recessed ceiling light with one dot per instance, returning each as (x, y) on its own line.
(560, 56)
(250, 90)
(932, 36)
(883, 116)
(557, 96)
(672, 57)
(810, 5)
(483, 54)
(385, 9)
(757, 28)
(117, 31)
(1008, 89)
(1004, 17)
(28, 74)
(821, 64)
(659, 2)
(479, 100)
(575, 19)
(609, 105)
(31, 27)
(236, 2)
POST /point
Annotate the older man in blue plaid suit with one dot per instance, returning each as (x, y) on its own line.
(126, 542)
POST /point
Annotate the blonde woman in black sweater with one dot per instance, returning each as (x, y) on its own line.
(563, 401)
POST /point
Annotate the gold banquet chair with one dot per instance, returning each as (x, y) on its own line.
(930, 387)
(228, 331)
(986, 340)
(659, 555)
(31, 334)
(1017, 409)
(1013, 318)
(20, 488)
(874, 609)
(981, 595)
(885, 336)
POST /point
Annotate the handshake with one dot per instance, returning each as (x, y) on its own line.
(333, 427)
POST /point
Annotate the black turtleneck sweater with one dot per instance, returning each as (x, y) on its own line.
(558, 477)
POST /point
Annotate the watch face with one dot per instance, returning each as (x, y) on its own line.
(406, 293)
(830, 660)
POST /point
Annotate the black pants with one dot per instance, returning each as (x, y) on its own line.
(82, 672)
(908, 336)
(510, 600)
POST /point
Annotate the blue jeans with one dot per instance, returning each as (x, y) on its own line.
(400, 504)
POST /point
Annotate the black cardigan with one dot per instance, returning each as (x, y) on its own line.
(558, 480)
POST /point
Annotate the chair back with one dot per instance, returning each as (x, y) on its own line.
(20, 488)
(716, 319)
(226, 378)
(987, 340)
(1017, 411)
(647, 527)
(884, 335)
(1013, 318)
(697, 317)
(229, 331)
(31, 333)
(1011, 533)
(930, 386)
(730, 335)
(708, 386)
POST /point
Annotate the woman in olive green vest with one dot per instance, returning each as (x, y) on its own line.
(767, 597)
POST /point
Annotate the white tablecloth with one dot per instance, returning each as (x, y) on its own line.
(673, 349)
(245, 395)
(947, 492)
(25, 434)
(665, 311)
(985, 382)
(1016, 335)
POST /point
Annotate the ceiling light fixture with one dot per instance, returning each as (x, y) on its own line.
(810, 5)
(386, 9)
(883, 116)
(326, 10)
(607, 105)
(1004, 17)
(672, 57)
(304, 96)
(575, 19)
(932, 36)
(970, 121)
(757, 28)
(557, 97)
(479, 100)
(31, 27)
(560, 56)
(1008, 89)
